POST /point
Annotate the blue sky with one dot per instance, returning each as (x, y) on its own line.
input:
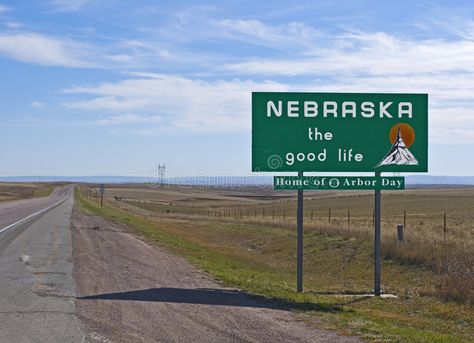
(114, 87)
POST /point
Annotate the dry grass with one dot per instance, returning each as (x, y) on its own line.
(14, 191)
(448, 252)
(457, 282)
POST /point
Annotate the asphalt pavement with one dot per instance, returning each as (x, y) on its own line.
(37, 292)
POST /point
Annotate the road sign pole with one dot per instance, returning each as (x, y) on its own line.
(299, 224)
(377, 241)
(102, 191)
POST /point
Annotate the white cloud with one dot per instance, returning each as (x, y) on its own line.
(120, 58)
(4, 9)
(256, 32)
(124, 119)
(44, 50)
(222, 106)
(13, 25)
(145, 48)
(38, 104)
(186, 104)
(354, 61)
(360, 53)
(69, 5)
(37, 48)
(452, 125)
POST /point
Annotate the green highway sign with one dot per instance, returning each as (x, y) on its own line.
(339, 132)
(338, 182)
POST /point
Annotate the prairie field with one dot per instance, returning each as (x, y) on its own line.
(433, 218)
(14, 191)
(247, 239)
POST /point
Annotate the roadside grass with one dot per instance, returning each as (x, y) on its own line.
(43, 191)
(448, 251)
(15, 191)
(260, 259)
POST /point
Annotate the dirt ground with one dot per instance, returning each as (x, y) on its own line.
(196, 196)
(129, 291)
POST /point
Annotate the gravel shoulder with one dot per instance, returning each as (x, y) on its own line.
(130, 291)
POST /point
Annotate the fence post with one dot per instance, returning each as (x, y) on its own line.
(284, 215)
(273, 214)
(311, 215)
(263, 213)
(400, 233)
(348, 220)
(329, 216)
(444, 227)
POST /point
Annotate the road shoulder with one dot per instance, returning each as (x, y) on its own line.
(131, 291)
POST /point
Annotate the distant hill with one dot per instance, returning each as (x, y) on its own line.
(84, 179)
(439, 180)
(221, 181)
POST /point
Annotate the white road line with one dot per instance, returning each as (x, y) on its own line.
(33, 215)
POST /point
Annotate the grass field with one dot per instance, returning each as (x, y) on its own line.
(15, 191)
(258, 256)
(349, 214)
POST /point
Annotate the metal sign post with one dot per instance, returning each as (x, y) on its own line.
(102, 191)
(299, 229)
(377, 241)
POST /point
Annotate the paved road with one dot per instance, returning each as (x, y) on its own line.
(13, 211)
(37, 290)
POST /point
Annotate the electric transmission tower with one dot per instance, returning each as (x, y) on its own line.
(161, 173)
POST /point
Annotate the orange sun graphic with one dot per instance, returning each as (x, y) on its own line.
(406, 131)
